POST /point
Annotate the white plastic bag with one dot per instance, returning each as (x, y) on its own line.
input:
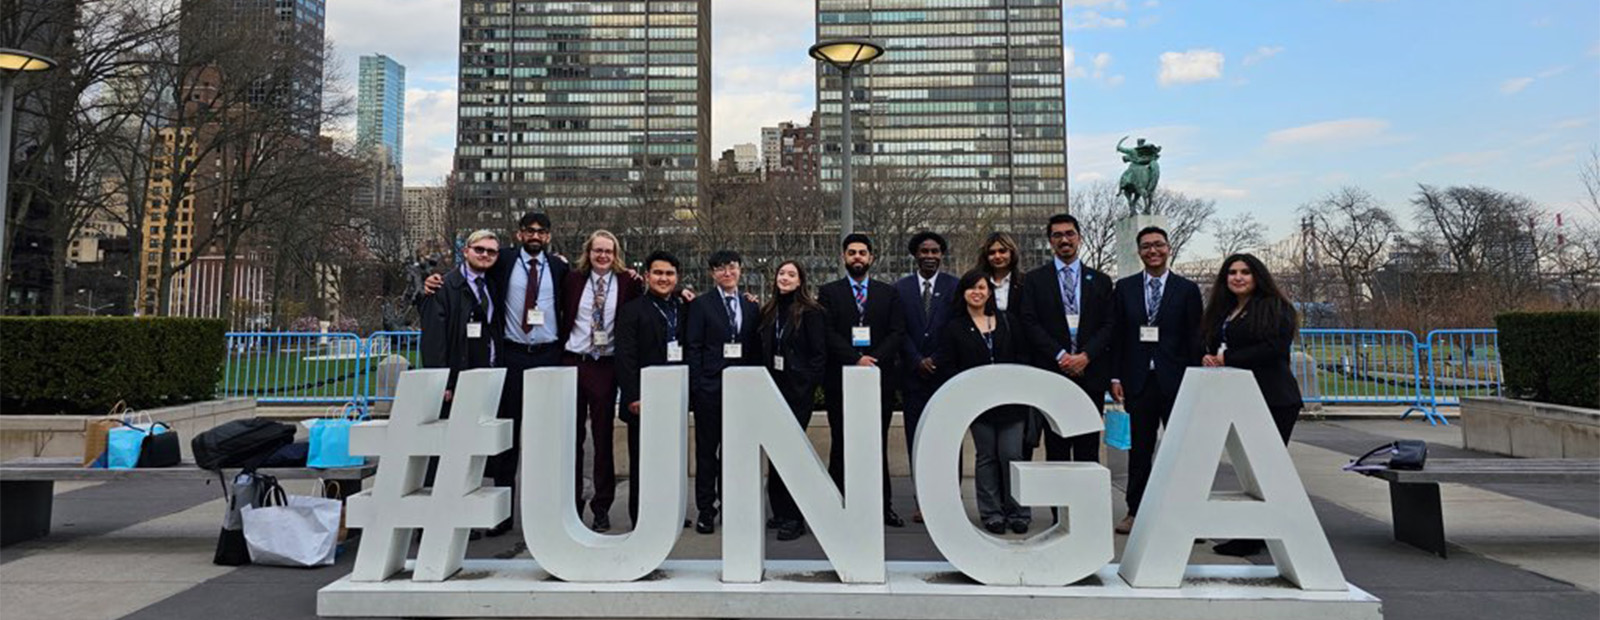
(292, 530)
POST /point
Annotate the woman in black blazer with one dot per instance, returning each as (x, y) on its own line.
(978, 335)
(794, 348)
(1250, 324)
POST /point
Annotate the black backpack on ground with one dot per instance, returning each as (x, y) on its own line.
(240, 443)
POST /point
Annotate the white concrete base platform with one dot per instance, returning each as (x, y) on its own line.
(809, 590)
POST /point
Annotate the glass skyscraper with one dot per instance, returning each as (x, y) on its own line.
(967, 99)
(381, 107)
(582, 104)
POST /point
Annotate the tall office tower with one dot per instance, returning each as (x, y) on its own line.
(582, 105)
(381, 107)
(772, 145)
(967, 99)
(298, 29)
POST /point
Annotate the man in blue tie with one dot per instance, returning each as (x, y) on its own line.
(722, 332)
(925, 302)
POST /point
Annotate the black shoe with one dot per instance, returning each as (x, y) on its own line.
(791, 530)
(686, 524)
(500, 530)
(476, 534)
(995, 527)
(1018, 526)
(706, 523)
(774, 523)
(1242, 547)
(892, 519)
(602, 523)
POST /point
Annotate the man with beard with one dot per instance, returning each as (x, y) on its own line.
(1067, 311)
(925, 303)
(865, 326)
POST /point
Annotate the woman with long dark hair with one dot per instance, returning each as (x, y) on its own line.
(1250, 324)
(794, 349)
(978, 335)
(997, 260)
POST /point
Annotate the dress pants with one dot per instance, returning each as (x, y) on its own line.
(707, 451)
(1148, 411)
(997, 441)
(633, 470)
(783, 505)
(516, 358)
(834, 397)
(915, 391)
(597, 405)
(1083, 448)
(1284, 418)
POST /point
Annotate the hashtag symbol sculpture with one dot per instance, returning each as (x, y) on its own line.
(397, 504)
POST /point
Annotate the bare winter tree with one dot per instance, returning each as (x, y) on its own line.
(1240, 233)
(1098, 208)
(892, 205)
(1186, 215)
(1352, 236)
(1490, 237)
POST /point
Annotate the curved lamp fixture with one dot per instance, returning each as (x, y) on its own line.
(846, 54)
(18, 60)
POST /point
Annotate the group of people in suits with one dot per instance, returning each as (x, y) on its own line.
(1132, 339)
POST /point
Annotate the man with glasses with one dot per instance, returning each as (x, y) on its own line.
(1156, 335)
(722, 332)
(458, 328)
(1067, 310)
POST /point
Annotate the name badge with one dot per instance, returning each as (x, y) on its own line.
(536, 317)
(674, 352)
(861, 336)
(1149, 334)
(602, 339)
(777, 362)
(1072, 321)
(733, 351)
(474, 330)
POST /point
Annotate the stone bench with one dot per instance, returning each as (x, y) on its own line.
(27, 486)
(1414, 495)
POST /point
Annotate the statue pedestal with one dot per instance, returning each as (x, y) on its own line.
(1128, 247)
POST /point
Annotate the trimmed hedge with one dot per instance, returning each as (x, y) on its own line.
(84, 365)
(1551, 357)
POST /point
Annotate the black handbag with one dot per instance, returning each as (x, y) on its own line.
(160, 449)
(1406, 454)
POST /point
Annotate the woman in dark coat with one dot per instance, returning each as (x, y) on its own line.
(794, 349)
(1250, 324)
(978, 335)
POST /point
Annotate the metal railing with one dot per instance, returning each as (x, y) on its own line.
(1333, 366)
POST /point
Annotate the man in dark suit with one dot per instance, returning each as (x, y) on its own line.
(925, 303)
(1067, 312)
(1156, 336)
(591, 296)
(650, 332)
(723, 331)
(865, 326)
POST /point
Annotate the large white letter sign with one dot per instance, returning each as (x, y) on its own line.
(555, 534)
(1217, 407)
(396, 504)
(1063, 554)
(849, 527)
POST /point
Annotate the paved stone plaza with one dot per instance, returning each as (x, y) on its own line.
(142, 550)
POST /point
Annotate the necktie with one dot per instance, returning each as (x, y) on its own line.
(530, 297)
(483, 295)
(599, 320)
(733, 320)
(927, 300)
(1069, 291)
(861, 298)
(1152, 301)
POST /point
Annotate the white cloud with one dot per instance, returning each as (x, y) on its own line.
(430, 134)
(1101, 61)
(1515, 85)
(1069, 60)
(413, 32)
(1349, 131)
(1090, 20)
(1088, 177)
(1262, 53)
(1191, 66)
(1214, 190)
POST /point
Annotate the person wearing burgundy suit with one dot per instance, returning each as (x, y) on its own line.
(590, 295)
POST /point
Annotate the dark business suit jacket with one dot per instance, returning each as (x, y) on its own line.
(962, 348)
(1264, 351)
(922, 334)
(641, 343)
(804, 348)
(1046, 321)
(510, 258)
(708, 331)
(444, 317)
(1179, 322)
(1014, 302)
(883, 315)
(575, 286)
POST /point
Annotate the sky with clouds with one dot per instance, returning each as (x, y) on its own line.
(1259, 105)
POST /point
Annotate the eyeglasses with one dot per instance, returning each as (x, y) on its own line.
(536, 231)
(728, 268)
(602, 251)
(1063, 234)
(483, 251)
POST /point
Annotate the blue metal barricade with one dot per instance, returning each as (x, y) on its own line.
(1462, 362)
(296, 367)
(382, 345)
(1357, 366)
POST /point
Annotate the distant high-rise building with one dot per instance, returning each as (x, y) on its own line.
(582, 104)
(381, 107)
(423, 211)
(746, 158)
(771, 145)
(790, 151)
(967, 98)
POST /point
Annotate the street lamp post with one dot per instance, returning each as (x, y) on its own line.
(845, 55)
(13, 62)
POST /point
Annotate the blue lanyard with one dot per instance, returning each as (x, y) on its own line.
(671, 318)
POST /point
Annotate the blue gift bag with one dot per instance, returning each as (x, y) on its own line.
(123, 443)
(1119, 432)
(330, 441)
